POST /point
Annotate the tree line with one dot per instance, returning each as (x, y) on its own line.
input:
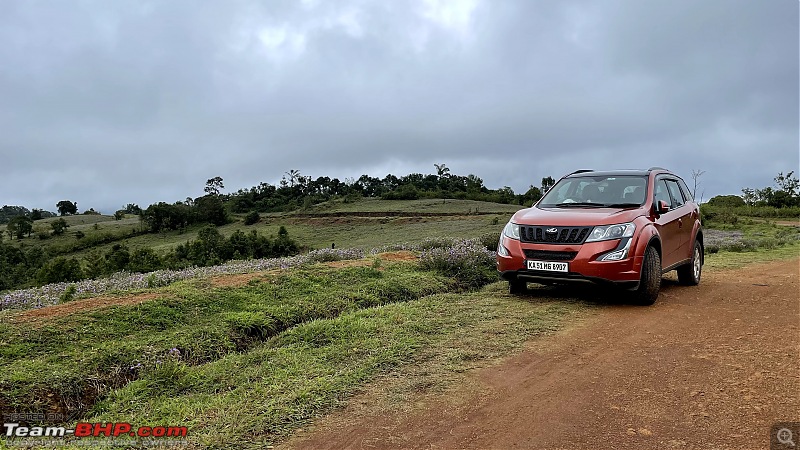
(785, 193)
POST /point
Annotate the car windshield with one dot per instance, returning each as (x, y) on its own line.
(599, 191)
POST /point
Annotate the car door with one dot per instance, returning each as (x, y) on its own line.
(684, 210)
(667, 224)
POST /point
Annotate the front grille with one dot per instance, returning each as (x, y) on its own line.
(548, 255)
(556, 235)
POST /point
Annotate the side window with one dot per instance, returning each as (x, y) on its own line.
(677, 196)
(661, 192)
(687, 194)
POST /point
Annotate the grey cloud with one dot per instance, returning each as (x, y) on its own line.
(111, 102)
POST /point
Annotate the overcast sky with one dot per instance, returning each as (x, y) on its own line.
(111, 102)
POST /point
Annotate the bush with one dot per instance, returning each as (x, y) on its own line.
(68, 294)
(252, 218)
(727, 201)
(469, 262)
(60, 269)
(144, 260)
(490, 241)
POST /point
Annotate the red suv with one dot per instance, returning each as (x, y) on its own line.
(624, 228)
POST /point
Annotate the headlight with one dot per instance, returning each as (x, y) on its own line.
(511, 231)
(608, 232)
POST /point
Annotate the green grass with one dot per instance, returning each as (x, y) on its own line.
(261, 359)
(251, 400)
(730, 260)
(204, 323)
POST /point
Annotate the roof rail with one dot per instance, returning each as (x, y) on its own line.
(581, 171)
(656, 168)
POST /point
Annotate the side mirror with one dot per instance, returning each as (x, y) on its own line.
(661, 207)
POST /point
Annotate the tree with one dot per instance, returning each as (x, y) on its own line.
(117, 258)
(119, 214)
(66, 207)
(547, 183)
(59, 226)
(442, 170)
(788, 183)
(36, 214)
(534, 194)
(749, 196)
(294, 175)
(210, 209)
(58, 270)
(727, 201)
(19, 226)
(214, 185)
(696, 174)
(144, 260)
(133, 208)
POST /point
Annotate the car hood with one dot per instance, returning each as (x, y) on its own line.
(575, 216)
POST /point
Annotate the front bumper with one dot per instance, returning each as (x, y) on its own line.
(585, 267)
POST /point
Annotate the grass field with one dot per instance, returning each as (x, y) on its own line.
(311, 232)
(730, 260)
(245, 364)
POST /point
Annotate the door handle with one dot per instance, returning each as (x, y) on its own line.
(680, 223)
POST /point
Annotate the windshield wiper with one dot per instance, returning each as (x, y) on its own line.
(622, 205)
(566, 205)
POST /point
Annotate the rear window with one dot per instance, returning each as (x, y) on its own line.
(621, 190)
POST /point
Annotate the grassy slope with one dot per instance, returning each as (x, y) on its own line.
(261, 359)
(311, 232)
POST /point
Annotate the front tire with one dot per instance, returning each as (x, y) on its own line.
(650, 283)
(689, 274)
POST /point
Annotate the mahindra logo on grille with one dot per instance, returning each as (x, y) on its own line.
(552, 230)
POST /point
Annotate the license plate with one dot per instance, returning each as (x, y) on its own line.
(548, 266)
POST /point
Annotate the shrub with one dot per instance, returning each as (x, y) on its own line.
(468, 261)
(490, 241)
(728, 201)
(252, 218)
(60, 269)
(68, 294)
(144, 260)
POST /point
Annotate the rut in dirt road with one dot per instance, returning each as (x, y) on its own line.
(706, 367)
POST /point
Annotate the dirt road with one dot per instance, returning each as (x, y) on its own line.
(707, 367)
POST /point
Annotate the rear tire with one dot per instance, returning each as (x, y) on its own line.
(689, 274)
(650, 282)
(517, 287)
